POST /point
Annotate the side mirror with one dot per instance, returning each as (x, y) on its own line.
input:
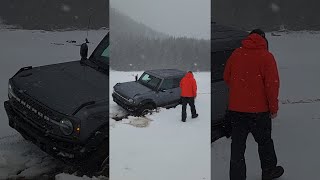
(84, 51)
(136, 77)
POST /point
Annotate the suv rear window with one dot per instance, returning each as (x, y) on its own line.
(176, 82)
(167, 84)
(170, 83)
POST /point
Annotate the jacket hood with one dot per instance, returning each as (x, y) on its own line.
(189, 75)
(254, 41)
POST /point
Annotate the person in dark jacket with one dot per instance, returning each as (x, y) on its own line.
(252, 77)
(188, 87)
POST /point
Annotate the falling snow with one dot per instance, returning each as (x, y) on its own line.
(274, 7)
(65, 8)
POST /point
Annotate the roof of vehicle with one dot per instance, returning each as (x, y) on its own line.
(225, 38)
(166, 73)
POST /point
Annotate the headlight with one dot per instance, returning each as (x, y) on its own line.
(66, 126)
(130, 100)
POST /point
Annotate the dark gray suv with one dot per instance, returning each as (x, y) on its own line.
(155, 88)
(64, 108)
(223, 41)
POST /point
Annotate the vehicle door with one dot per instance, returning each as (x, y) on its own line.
(220, 92)
(166, 92)
(176, 95)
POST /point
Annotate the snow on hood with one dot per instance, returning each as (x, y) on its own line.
(131, 89)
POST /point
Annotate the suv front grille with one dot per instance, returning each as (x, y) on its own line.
(120, 96)
(33, 111)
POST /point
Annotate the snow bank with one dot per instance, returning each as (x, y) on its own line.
(19, 158)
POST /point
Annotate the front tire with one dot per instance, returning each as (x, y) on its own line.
(145, 109)
(97, 163)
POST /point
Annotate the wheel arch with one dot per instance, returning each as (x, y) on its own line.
(148, 101)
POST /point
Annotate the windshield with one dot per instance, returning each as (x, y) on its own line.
(102, 53)
(149, 80)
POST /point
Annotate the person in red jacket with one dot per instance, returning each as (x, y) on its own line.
(252, 77)
(188, 86)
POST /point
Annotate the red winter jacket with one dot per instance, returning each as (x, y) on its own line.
(252, 76)
(188, 86)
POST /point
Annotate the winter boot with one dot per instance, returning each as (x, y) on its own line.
(272, 173)
(195, 116)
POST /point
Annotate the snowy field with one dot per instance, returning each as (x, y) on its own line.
(296, 130)
(19, 48)
(165, 148)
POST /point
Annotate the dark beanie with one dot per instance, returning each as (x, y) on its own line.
(258, 31)
(262, 34)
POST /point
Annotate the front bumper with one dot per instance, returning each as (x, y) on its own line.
(56, 147)
(123, 103)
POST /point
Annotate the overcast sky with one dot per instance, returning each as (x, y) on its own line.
(189, 18)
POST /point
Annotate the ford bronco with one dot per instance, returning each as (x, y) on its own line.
(155, 88)
(64, 108)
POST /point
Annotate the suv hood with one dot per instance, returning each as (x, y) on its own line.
(63, 87)
(130, 89)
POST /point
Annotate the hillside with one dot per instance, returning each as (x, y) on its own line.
(267, 14)
(137, 47)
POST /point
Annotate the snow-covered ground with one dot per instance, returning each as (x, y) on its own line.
(64, 176)
(166, 148)
(20, 48)
(296, 130)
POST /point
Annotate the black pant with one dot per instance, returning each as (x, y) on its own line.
(190, 101)
(259, 124)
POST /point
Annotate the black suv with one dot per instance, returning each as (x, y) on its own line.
(64, 108)
(223, 41)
